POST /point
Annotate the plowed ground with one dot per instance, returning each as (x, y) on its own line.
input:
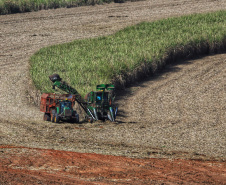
(178, 113)
(39, 166)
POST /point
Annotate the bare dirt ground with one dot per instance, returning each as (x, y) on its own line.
(41, 166)
(179, 113)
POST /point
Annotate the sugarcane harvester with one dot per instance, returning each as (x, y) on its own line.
(98, 105)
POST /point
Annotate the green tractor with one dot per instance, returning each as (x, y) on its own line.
(65, 112)
(58, 107)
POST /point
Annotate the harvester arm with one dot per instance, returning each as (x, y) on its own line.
(57, 82)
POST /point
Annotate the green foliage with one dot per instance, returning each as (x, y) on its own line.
(19, 6)
(86, 63)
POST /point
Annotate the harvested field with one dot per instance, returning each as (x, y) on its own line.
(179, 113)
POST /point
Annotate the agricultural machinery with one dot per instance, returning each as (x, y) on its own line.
(58, 107)
(98, 105)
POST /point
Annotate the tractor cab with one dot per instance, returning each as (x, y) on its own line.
(65, 112)
(65, 108)
(100, 97)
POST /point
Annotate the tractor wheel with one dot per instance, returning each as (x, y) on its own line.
(77, 119)
(46, 117)
(103, 120)
(53, 116)
(56, 118)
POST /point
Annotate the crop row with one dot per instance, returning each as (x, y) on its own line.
(131, 53)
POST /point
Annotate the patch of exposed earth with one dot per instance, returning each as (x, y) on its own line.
(179, 113)
(21, 165)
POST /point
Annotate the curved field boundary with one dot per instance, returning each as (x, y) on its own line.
(21, 6)
(131, 53)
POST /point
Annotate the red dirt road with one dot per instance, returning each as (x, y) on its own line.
(22, 165)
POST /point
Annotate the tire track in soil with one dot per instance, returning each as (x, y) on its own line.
(213, 70)
(23, 34)
(162, 117)
(184, 106)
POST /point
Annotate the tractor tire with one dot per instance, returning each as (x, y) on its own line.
(73, 120)
(77, 119)
(56, 118)
(46, 117)
(53, 116)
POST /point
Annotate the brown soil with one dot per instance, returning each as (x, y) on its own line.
(22, 165)
(179, 113)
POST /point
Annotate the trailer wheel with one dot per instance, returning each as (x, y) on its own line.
(46, 117)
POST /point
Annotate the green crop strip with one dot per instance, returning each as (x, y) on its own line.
(19, 6)
(86, 63)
